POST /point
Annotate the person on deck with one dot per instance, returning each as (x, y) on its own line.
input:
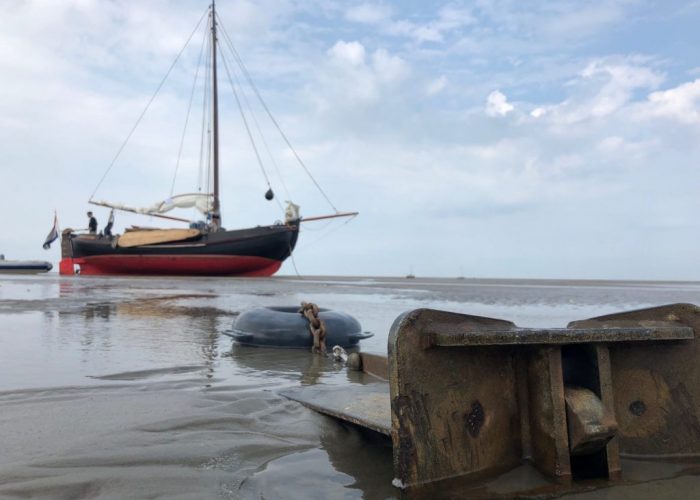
(92, 225)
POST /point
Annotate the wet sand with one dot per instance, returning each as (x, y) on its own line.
(127, 387)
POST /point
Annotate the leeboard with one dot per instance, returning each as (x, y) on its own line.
(364, 405)
(155, 236)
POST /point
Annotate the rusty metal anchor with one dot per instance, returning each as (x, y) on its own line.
(470, 396)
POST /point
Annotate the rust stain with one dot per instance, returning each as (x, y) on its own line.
(474, 419)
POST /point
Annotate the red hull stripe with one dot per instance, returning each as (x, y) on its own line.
(199, 265)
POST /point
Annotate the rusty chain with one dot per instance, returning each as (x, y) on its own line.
(317, 327)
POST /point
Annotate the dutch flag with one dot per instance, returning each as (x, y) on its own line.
(53, 234)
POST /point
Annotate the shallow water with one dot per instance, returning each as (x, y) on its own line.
(127, 387)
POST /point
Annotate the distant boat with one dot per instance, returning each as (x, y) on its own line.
(24, 266)
(202, 247)
(410, 274)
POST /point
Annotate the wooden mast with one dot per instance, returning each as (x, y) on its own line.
(216, 215)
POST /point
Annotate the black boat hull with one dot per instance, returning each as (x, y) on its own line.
(258, 251)
(24, 266)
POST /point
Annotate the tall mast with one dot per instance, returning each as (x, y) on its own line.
(216, 216)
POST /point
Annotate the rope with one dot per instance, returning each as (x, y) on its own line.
(189, 109)
(260, 134)
(324, 235)
(235, 83)
(210, 112)
(294, 263)
(269, 113)
(160, 85)
(317, 327)
(205, 109)
(245, 122)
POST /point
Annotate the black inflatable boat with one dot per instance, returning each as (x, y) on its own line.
(286, 327)
(24, 266)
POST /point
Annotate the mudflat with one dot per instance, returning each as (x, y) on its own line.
(128, 388)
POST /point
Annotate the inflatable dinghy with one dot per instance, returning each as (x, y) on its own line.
(286, 327)
(24, 266)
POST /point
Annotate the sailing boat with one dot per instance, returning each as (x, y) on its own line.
(204, 248)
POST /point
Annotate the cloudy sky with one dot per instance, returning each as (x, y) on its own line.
(539, 139)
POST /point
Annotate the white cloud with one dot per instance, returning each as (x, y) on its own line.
(357, 77)
(368, 13)
(450, 19)
(497, 104)
(388, 68)
(348, 52)
(419, 32)
(564, 20)
(602, 89)
(681, 103)
(611, 143)
(436, 86)
(606, 89)
(615, 146)
(620, 81)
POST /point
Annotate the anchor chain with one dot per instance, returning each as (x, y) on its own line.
(317, 327)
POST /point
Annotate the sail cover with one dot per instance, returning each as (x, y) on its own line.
(204, 202)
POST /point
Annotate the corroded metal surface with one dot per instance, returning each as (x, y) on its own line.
(546, 414)
(364, 405)
(590, 424)
(656, 385)
(523, 336)
(435, 394)
(375, 365)
(601, 360)
(472, 396)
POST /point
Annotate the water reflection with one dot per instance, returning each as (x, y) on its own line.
(362, 454)
(92, 328)
(149, 346)
(100, 310)
(297, 365)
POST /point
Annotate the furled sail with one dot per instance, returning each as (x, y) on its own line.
(201, 201)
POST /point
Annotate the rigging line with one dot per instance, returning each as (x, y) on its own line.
(210, 137)
(189, 109)
(245, 121)
(294, 262)
(324, 235)
(205, 100)
(322, 227)
(200, 173)
(247, 127)
(262, 136)
(209, 155)
(237, 83)
(160, 85)
(269, 114)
